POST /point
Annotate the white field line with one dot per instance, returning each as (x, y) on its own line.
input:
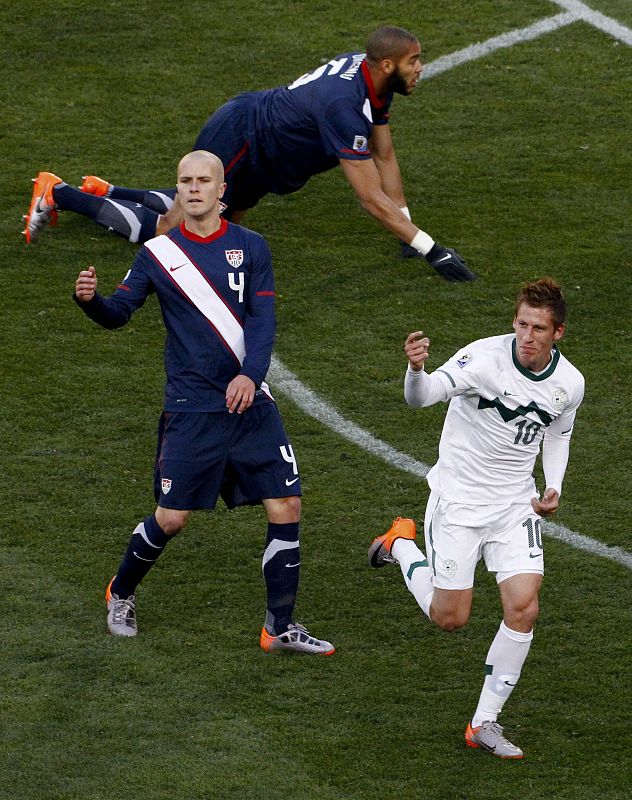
(308, 401)
(597, 20)
(510, 39)
(321, 410)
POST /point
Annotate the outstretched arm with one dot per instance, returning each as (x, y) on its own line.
(115, 311)
(366, 182)
(387, 165)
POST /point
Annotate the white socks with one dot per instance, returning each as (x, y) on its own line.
(505, 658)
(417, 576)
(507, 653)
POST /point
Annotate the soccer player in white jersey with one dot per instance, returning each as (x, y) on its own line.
(507, 395)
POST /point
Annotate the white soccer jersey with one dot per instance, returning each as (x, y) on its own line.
(498, 415)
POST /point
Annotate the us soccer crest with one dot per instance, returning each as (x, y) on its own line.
(166, 485)
(235, 258)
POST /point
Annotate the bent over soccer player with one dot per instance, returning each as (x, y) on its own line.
(274, 141)
(507, 396)
(220, 432)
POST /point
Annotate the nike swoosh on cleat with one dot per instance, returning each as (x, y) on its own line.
(443, 258)
(293, 565)
(289, 483)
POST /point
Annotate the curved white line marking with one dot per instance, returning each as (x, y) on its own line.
(318, 408)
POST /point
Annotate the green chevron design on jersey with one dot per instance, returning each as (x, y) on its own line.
(509, 414)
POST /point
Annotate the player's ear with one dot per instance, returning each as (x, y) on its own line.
(559, 332)
(388, 66)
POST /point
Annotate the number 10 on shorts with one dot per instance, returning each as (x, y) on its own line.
(534, 533)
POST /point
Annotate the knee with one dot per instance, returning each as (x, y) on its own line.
(522, 617)
(449, 620)
(283, 510)
(171, 520)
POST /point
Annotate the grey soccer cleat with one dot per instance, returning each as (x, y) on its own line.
(489, 736)
(121, 613)
(296, 638)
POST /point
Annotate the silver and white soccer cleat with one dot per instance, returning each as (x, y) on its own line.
(489, 736)
(121, 613)
(296, 638)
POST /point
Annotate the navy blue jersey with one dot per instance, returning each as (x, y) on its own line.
(299, 130)
(216, 295)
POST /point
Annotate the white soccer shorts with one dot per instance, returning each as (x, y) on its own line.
(507, 537)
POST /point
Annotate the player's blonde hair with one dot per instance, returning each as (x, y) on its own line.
(543, 293)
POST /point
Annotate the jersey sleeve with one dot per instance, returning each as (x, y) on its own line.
(345, 131)
(115, 311)
(457, 376)
(260, 320)
(557, 439)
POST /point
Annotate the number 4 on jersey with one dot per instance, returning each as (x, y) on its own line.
(237, 283)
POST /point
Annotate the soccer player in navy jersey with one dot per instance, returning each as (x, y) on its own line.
(220, 432)
(274, 141)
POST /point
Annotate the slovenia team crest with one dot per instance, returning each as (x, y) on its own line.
(560, 398)
(235, 258)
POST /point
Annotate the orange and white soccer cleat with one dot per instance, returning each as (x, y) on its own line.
(42, 208)
(297, 639)
(489, 736)
(92, 184)
(381, 546)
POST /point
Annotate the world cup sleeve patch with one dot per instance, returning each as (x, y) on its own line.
(464, 359)
(360, 144)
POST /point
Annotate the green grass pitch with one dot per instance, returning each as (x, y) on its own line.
(521, 159)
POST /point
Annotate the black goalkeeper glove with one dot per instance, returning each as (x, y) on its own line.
(449, 264)
(408, 251)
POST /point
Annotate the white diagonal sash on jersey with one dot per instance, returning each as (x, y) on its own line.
(194, 285)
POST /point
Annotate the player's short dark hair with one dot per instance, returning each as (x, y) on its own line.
(543, 293)
(388, 42)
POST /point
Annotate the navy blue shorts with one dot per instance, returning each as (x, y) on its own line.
(225, 134)
(245, 458)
